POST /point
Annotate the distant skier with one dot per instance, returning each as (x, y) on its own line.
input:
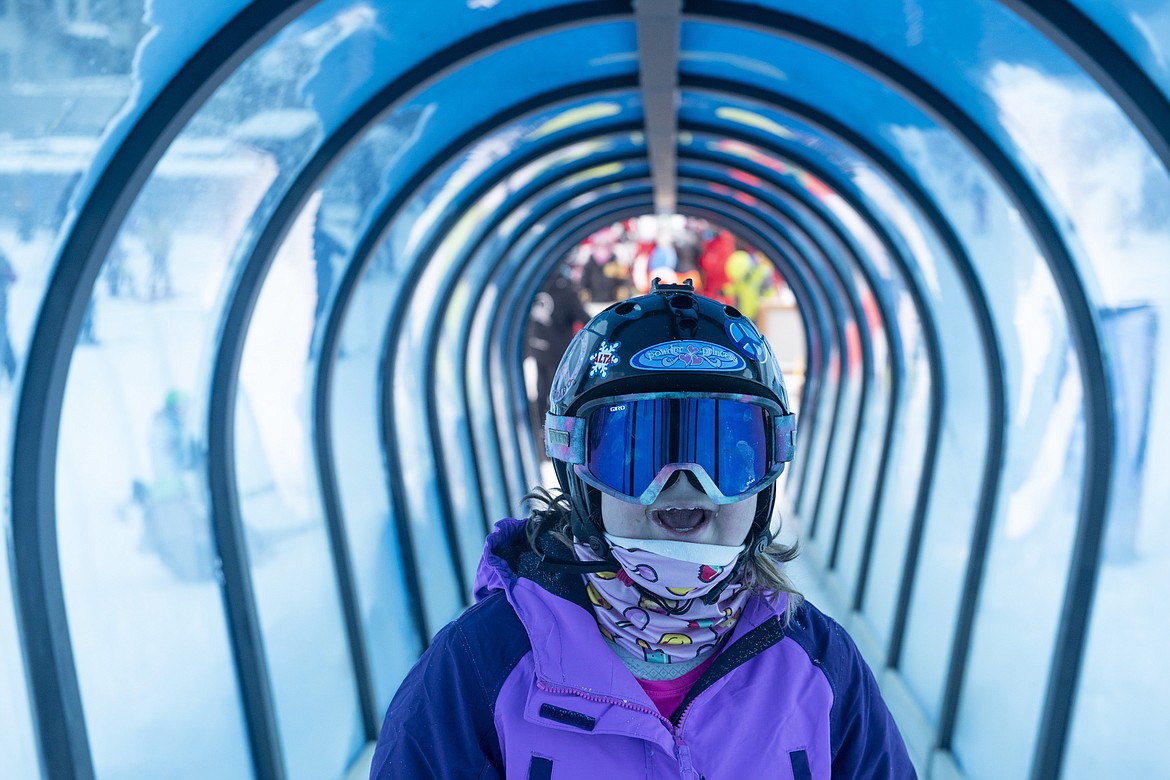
(175, 521)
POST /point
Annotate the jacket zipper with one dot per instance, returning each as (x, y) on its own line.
(681, 749)
(684, 750)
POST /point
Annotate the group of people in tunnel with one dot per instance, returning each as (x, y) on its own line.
(641, 622)
(622, 260)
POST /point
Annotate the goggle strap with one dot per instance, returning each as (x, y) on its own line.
(785, 433)
(564, 438)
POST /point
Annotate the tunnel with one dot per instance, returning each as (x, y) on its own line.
(267, 269)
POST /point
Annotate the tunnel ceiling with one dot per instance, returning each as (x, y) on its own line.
(461, 149)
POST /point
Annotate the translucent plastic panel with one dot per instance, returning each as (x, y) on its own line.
(532, 226)
(1115, 194)
(445, 192)
(428, 295)
(525, 266)
(18, 749)
(1096, 175)
(1008, 265)
(138, 559)
(822, 504)
(775, 63)
(1123, 668)
(450, 108)
(392, 644)
(356, 403)
(790, 134)
(293, 575)
(458, 458)
(845, 517)
(1022, 592)
(432, 545)
(905, 463)
(1141, 28)
(458, 102)
(491, 469)
(872, 462)
(68, 98)
(73, 79)
(1036, 506)
(860, 464)
(814, 447)
(957, 47)
(482, 277)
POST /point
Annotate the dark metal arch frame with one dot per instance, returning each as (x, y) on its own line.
(845, 189)
(249, 280)
(718, 210)
(943, 223)
(996, 382)
(893, 338)
(831, 285)
(329, 336)
(934, 217)
(536, 272)
(58, 712)
(842, 261)
(524, 244)
(822, 336)
(392, 337)
(532, 276)
(1100, 426)
(438, 315)
(840, 267)
(72, 305)
(851, 257)
(637, 199)
(520, 302)
(531, 290)
(1083, 40)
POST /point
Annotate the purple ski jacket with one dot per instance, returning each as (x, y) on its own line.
(522, 685)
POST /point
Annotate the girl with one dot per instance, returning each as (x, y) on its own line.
(639, 623)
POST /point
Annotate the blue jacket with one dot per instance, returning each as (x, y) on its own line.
(522, 685)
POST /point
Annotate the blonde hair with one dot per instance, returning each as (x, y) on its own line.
(764, 575)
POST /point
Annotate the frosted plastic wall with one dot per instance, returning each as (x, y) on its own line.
(143, 586)
(138, 560)
(292, 570)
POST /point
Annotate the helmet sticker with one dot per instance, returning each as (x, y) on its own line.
(687, 356)
(747, 341)
(569, 368)
(605, 356)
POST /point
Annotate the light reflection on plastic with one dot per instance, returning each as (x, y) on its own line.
(575, 116)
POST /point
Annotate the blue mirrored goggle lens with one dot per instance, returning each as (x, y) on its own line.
(629, 442)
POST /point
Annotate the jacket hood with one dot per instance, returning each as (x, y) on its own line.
(507, 556)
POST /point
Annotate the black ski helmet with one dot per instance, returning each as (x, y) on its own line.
(602, 361)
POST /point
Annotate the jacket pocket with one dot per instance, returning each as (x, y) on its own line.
(540, 768)
(800, 767)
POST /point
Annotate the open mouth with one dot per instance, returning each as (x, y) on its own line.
(681, 520)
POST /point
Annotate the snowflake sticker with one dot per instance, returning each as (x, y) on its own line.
(605, 357)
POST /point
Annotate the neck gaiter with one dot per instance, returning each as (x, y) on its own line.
(653, 606)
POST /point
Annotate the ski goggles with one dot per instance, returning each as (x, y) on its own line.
(629, 446)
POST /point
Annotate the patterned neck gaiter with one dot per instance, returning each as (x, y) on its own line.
(674, 624)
